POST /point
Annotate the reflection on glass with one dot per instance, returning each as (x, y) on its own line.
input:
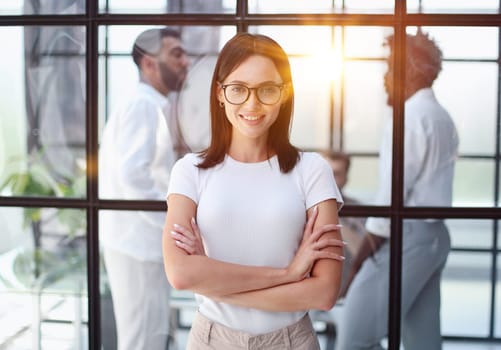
(43, 278)
(42, 148)
(321, 6)
(466, 294)
(452, 6)
(35, 7)
(171, 6)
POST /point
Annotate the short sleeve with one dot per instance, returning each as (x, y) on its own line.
(184, 178)
(318, 180)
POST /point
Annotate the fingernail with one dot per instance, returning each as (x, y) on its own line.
(193, 220)
(178, 243)
(177, 226)
(342, 257)
(339, 225)
(345, 243)
(315, 208)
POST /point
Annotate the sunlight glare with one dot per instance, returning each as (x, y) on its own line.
(327, 64)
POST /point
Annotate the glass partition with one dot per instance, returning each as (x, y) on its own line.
(42, 148)
(167, 6)
(35, 7)
(321, 6)
(452, 6)
(469, 66)
(43, 278)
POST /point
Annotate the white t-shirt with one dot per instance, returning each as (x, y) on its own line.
(252, 214)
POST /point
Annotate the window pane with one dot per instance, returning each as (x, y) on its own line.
(43, 278)
(34, 7)
(42, 148)
(473, 183)
(474, 116)
(365, 42)
(466, 294)
(453, 6)
(469, 233)
(167, 6)
(360, 186)
(463, 74)
(364, 122)
(462, 42)
(132, 273)
(119, 86)
(321, 6)
(425, 251)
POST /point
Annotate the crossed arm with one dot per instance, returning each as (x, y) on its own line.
(310, 281)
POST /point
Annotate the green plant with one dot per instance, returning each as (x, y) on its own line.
(32, 177)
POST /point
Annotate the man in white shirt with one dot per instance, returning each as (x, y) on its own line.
(140, 143)
(430, 151)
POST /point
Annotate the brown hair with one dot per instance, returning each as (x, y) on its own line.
(234, 52)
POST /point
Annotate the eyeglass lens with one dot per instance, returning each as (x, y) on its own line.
(266, 94)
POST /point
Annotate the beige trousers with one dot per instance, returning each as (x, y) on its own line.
(207, 335)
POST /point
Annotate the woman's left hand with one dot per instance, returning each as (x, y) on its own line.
(189, 241)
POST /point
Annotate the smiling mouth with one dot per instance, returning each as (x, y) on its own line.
(251, 117)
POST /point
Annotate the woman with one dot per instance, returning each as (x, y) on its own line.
(267, 213)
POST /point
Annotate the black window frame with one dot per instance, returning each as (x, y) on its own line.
(242, 19)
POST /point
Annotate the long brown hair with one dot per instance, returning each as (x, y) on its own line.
(234, 52)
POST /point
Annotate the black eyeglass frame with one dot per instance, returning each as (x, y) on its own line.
(249, 89)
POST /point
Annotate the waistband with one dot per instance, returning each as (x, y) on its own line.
(283, 338)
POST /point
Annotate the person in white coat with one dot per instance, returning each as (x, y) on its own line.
(139, 146)
(430, 152)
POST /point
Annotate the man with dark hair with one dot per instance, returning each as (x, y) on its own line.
(430, 152)
(139, 146)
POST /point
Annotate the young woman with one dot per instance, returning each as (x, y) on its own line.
(251, 225)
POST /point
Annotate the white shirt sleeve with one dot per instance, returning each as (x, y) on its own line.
(376, 225)
(319, 183)
(184, 177)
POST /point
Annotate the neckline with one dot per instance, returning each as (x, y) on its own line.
(270, 161)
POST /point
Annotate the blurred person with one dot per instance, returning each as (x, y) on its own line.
(430, 151)
(252, 221)
(139, 146)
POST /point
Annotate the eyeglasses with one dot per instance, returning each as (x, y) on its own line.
(237, 94)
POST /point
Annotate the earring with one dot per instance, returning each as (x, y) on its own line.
(221, 104)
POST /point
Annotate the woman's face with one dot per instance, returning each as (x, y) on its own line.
(252, 119)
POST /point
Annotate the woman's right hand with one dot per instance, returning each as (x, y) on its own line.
(311, 248)
(189, 240)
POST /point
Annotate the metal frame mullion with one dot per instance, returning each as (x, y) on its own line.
(395, 271)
